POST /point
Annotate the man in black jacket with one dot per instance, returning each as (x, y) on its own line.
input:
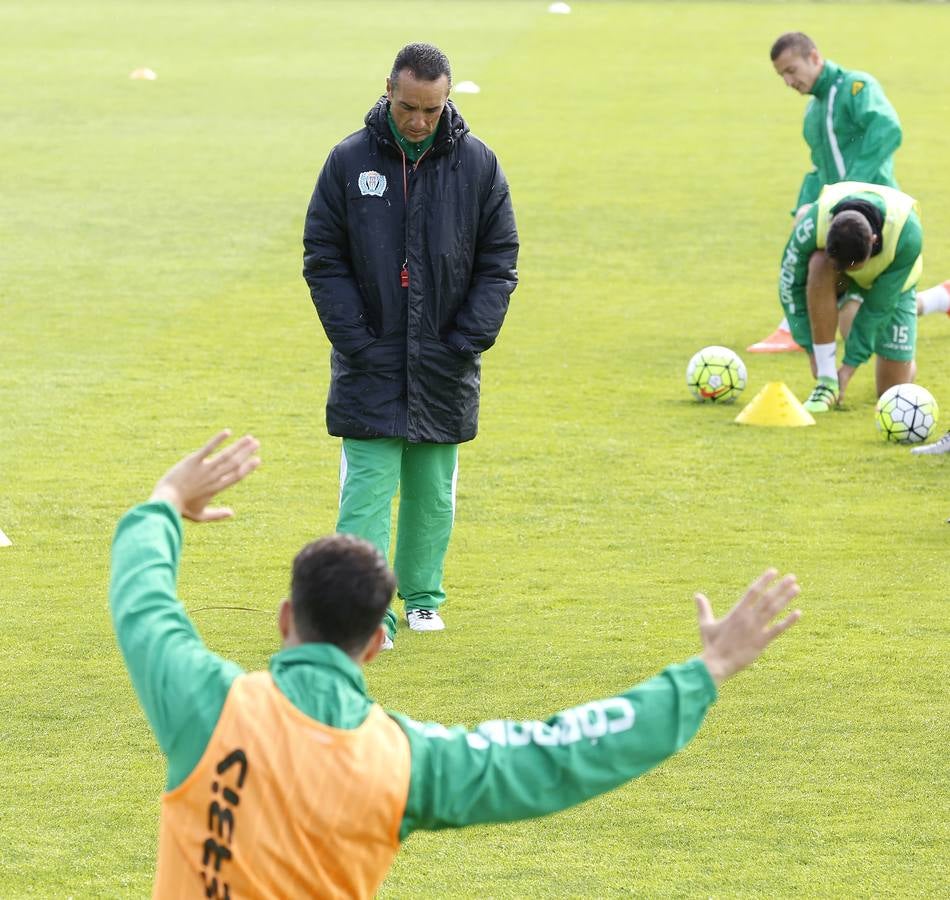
(410, 251)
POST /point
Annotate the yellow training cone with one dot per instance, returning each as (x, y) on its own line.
(5, 541)
(775, 404)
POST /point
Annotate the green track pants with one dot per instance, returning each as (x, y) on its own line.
(425, 474)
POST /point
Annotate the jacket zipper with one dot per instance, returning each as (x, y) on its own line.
(404, 272)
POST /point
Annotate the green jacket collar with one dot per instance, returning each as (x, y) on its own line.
(324, 656)
(412, 151)
(829, 73)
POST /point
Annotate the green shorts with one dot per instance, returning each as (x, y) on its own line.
(896, 336)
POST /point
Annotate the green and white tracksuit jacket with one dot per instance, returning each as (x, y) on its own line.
(852, 131)
(499, 771)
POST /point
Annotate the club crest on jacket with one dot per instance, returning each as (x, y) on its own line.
(372, 184)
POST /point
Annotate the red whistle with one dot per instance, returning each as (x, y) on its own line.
(404, 277)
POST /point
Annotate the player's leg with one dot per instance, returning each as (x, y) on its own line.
(369, 474)
(822, 303)
(934, 300)
(891, 371)
(426, 516)
(896, 343)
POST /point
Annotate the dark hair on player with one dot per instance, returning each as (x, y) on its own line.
(794, 40)
(850, 239)
(425, 62)
(339, 590)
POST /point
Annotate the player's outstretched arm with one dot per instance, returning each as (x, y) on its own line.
(732, 643)
(505, 770)
(193, 482)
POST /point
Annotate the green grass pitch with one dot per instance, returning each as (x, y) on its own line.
(150, 292)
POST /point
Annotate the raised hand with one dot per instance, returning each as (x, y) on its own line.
(737, 640)
(193, 482)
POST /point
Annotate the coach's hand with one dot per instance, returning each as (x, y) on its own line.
(191, 484)
(736, 640)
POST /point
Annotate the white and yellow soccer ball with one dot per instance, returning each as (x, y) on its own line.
(906, 414)
(716, 375)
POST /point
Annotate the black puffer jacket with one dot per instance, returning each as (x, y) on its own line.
(406, 361)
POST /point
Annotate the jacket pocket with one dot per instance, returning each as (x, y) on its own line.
(446, 384)
(385, 354)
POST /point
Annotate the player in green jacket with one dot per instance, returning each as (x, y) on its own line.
(497, 772)
(852, 132)
(851, 129)
(863, 242)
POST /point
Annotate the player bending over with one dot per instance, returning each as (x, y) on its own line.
(862, 243)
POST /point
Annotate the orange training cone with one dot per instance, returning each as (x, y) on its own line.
(775, 404)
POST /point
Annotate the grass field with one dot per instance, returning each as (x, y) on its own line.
(150, 292)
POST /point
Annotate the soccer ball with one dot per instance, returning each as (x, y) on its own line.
(906, 414)
(716, 374)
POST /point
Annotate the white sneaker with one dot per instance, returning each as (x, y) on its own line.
(941, 446)
(424, 620)
(387, 643)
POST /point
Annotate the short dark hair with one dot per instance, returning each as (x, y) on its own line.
(425, 62)
(794, 40)
(339, 590)
(850, 239)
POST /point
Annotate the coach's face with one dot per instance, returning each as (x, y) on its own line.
(416, 105)
(797, 71)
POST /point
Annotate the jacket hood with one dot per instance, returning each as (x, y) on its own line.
(451, 128)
